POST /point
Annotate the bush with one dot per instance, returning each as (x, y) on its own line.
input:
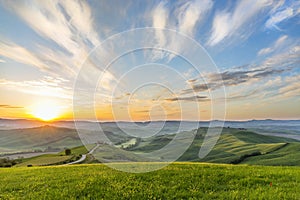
(243, 157)
(6, 162)
(68, 152)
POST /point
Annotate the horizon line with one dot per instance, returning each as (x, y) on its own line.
(148, 121)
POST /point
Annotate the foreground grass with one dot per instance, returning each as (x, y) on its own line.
(177, 181)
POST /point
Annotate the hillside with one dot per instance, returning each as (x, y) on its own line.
(234, 146)
(52, 138)
(38, 138)
(56, 159)
(176, 181)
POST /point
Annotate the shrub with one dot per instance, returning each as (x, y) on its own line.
(68, 152)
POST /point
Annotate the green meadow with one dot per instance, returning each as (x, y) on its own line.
(247, 171)
(176, 181)
(55, 159)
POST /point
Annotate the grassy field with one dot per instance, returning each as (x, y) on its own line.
(38, 138)
(289, 155)
(234, 146)
(48, 159)
(52, 159)
(177, 181)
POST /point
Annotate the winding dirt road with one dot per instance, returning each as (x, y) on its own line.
(83, 157)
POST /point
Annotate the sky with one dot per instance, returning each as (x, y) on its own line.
(138, 60)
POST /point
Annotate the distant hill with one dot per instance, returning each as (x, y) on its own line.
(51, 138)
(236, 147)
(239, 147)
(38, 138)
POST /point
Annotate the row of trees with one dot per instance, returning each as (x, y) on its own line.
(6, 162)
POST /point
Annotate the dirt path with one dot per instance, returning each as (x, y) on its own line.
(83, 157)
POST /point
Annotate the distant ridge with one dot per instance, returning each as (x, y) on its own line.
(90, 121)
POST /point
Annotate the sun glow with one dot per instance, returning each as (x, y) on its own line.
(45, 111)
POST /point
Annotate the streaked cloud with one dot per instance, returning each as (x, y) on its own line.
(160, 17)
(189, 98)
(70, 25)
(191, 13)
(233, 23)
(290, 57)
(65, 23)
(10, 106)
(48, 87)
(55, 63)
(291, 88)
(185, 18)
(196, 88)
(277, 44)
(21, 55)
(282, 13)
(272, 66)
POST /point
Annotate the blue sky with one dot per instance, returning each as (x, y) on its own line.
(254, 44)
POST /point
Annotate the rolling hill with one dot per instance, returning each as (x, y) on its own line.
(50, 138)
(38, 138)
(235, 146)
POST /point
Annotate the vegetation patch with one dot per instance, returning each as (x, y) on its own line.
(176, 181)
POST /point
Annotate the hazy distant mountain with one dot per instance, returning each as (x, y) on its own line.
(236, 145)
(282, 128)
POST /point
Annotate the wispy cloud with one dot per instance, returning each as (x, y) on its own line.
(55, 63)
(244, 94)
(196, 87)
(70, 25)
(66, 23)
(189, 98)
(277, 44)
(232, 23)
(48, 86)
(185, 18)
(191, 13)
(291, 88)
(21, 55)
(273, 66)
(160, 16)
(282, 13)
(287, 58)
(10, 106)
(233, 78)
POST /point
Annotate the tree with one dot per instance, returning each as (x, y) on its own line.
(68, 152)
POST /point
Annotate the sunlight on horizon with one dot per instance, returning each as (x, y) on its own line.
(46, 111)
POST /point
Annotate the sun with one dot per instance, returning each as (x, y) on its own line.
(45, 111)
